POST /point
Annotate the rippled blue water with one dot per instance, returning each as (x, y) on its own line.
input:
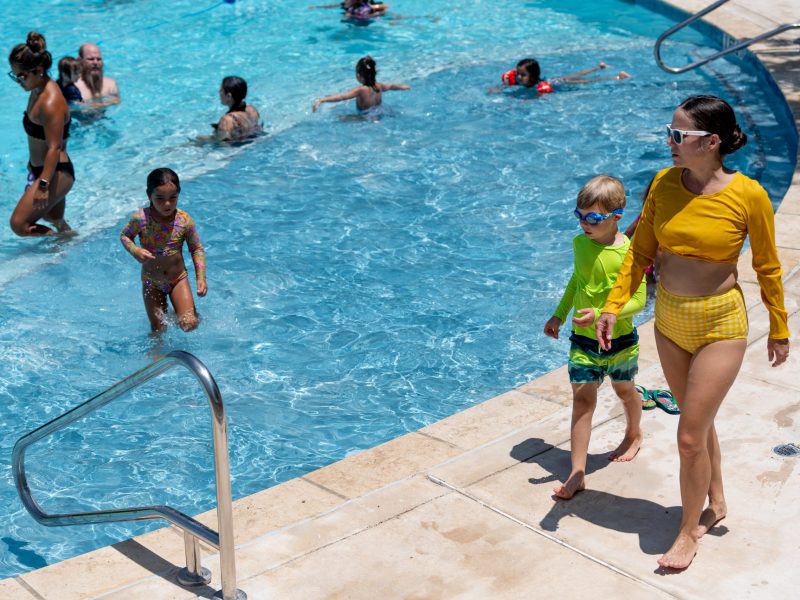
(367, 277)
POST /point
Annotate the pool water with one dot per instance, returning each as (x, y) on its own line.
(368, 275)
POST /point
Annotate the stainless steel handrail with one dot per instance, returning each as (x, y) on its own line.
(721, 53)
(194, 573)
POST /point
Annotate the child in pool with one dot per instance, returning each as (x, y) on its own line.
(162, 229)
(363, 9)
(598, 255)
(242, 120)
(369, 93)
(528, 74)
(69, 71)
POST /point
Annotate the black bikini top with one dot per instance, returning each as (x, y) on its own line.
(37, 131)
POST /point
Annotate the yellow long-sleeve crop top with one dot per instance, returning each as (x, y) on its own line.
(709, 227)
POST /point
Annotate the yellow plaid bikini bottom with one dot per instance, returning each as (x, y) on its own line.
(695, 321)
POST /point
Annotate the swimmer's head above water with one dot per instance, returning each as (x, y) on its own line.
(367, 72)
(232, 93)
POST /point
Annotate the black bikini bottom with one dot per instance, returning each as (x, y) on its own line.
(64, 167)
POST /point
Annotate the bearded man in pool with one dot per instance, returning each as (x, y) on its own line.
(95, 87)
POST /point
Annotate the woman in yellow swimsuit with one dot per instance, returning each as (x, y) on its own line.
(698, 213)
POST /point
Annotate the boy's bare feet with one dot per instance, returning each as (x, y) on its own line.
(681, 554)
(627, 450)
(623, 75)
(713, 514)
(570, 487)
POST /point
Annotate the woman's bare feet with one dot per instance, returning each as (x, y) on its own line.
(627, 450)
(571, 486)
(61, 226)
(713, 514)
(681, 554)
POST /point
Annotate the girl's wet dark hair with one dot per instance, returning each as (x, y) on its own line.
(237, 88)
(368, 71)
(714, 115)
(32, 54)
(531, 67)
(161, 176)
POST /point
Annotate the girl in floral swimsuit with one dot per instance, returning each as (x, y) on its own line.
(162, 229)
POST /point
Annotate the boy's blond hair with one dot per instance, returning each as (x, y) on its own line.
(604, 190)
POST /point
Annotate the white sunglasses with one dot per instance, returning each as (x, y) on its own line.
(677, 135)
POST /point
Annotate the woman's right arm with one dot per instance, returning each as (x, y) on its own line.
(640, 255)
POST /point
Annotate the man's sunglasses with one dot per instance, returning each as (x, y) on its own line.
(594, 218)
(677, 135)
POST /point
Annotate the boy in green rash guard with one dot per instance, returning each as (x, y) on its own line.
(599, 252)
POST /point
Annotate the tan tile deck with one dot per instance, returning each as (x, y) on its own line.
(461, 509)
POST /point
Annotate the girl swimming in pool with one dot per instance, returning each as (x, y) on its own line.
(363, 9)
(162, 229)
(528, 74)
(369, 93)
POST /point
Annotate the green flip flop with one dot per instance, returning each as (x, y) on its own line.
(648, 403)
(663, 399)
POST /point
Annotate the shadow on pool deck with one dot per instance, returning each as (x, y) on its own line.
(463, 508)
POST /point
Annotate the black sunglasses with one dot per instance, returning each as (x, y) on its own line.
(18, 78)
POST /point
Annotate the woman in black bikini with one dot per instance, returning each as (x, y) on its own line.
(241, 121)
(46, 121)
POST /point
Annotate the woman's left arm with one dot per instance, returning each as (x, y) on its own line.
(761, 229)
(54, 112)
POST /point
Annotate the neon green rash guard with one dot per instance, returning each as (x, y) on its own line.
(594, 274)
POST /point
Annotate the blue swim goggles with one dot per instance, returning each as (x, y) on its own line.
(594, 218)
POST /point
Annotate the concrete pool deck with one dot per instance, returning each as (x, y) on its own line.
(462, 508)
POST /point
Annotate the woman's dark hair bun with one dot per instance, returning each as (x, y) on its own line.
(32, 54)
(36, 42)
(713, 114)
(737, 139)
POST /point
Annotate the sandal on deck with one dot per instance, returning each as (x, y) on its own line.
(663, 399)
(647, 401)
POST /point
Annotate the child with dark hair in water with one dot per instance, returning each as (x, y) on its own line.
(69, 71)
(242, 120)
(369, 93)
(162, 229)
(528, 74)
(363, 9)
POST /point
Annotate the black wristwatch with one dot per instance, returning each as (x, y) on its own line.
(44, 184)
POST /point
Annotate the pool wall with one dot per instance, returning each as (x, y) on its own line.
(143, 567)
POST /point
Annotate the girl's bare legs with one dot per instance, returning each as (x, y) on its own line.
(580, 74)
(699, 383)
(584, 401)
(23, 219)
(155, 303)
(632, 403)
(183, 303)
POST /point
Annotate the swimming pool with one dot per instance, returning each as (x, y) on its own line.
(366, 277)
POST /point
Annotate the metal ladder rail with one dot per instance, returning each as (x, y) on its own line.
(194, 573)
(721, 53)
